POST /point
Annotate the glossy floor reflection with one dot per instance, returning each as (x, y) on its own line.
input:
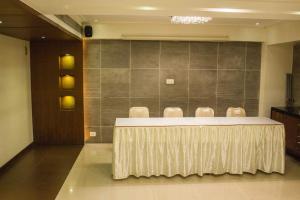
(90, 178)
(38, 173)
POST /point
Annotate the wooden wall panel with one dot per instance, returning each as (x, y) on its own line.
(21, 21)
(50, 124)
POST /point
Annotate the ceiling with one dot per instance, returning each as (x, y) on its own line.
(20, 21)
(97, 19)
(224, 12)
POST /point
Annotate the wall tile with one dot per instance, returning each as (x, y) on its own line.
(114, 105)
(92, 111)
(89, 139)
(252, 84)
(91, 82)
(204, 48)
(179, 89)
(174, 55)
(151, 103)
(124, 87)
(203, 55)
(144, 83)
(92, 47)
(202, 83)
(91, 57)
(112, 108)
(174, 102)
(145, 54)
(251, 107)
(231, 83)
(232, 55)
(194, 103)
(115, 53)
(253, 58)
(107, 134)
(224, 102)
(109, 118)
(115, 82)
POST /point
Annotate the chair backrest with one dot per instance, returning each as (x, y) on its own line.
(204, 112)
(235, 112)
(138, 112)
(173, 112)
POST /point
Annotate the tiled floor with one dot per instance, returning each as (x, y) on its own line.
(90, 178)
(38, 173)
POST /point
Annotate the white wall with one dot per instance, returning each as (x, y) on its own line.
(15, 98)
(149, 31)
(279, 33)
(276, 62)
(283, 32)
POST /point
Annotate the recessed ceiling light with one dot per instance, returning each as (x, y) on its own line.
(43, 37)
(257, 23)
(146, 8)
(295, 13)
(227, 10)
(1, 22)
(189, 19)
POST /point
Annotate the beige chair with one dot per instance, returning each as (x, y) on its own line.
(138, 112)
(235, 112)
(173, 112)
(204, 112)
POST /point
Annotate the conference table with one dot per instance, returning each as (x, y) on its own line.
(189, 145)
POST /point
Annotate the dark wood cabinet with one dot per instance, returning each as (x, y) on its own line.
(292, 129)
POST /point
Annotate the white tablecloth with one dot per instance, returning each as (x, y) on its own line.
(185, 146)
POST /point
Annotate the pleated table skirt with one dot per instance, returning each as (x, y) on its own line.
(187, 150)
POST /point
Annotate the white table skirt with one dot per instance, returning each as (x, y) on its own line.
(169, 150)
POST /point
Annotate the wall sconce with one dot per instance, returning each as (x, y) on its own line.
(67, 82)
(67, 102)
(67, 62)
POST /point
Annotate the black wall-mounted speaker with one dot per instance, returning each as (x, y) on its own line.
(88, 31)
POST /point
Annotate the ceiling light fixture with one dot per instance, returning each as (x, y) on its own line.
(295, 13)
(146, 8)
(189, 19)
(43, 37)
(227, 10)
(1, 22)
(257, 23)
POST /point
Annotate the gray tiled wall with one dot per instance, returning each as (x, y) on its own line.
(119, 74)
(296, 75)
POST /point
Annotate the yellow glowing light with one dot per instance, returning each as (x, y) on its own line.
(67, 62)
(67, 82)
(67, 102)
